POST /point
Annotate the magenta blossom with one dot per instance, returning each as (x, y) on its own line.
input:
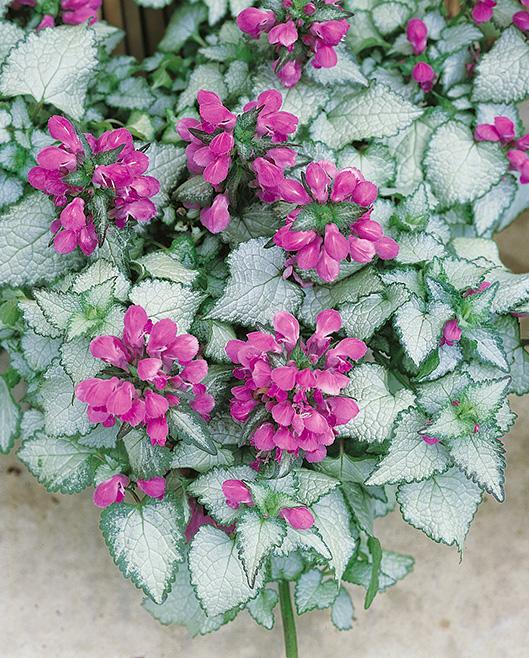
(155, 487)
(484, 285)
(74, 229)
(110, 491)
(221, 143)
(272, 121)
(298, 35)
(216, 218)
(417, 35)
(519, 161)
(451, 333)
(521, 20)
(482, 11)
(236, 493)
(290, 73)
(331, 221)
(46, 22)
(75, 12)
(254, 22)
(430, 440)
(299, 518)
(79, 170)
(424, 76)
(70, 12)
(152, 367)
(503, 131)
(298, 382)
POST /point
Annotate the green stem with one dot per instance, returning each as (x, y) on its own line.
(289, 623)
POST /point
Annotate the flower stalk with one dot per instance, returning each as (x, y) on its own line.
(289, 622)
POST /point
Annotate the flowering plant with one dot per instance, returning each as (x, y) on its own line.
(251, 289)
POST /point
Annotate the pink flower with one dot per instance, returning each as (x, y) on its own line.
(430, 440)
(74, 229)
(271, 121)
(451, 333)
(46, 22)
(110, 491)
(521, 20)
(130, 189)
(213, 113)
(216, 218)
(63, 131)
(519, 161)
(156, 363)
(290, 73)
(424, 75)
(236, 493)
(325, 36)
(523, 143)
(155, 487)
(502, 130)
(254, 22)
(417, 35)
(217, 148)
(324, 58)
(475, 291)
(483, 10)
(214, 158)
(323, 246)
(298, 382)
(284, 34)
(330, 33)
(299, 518)
(386, 248)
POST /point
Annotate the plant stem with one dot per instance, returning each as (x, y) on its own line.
(289, 623)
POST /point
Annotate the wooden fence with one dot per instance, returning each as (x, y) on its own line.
(144, 28)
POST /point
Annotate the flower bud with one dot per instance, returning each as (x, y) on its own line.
(236, 493)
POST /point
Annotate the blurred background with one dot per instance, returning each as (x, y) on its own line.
(62, 596)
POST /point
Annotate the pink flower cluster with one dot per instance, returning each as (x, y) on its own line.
(113, 490)
(74, 12)
(302, 394)
(503, 131)
(214, 140)
(237, 494)
(73, 172)
(153, 366)
(327, 195)
(297, 35)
